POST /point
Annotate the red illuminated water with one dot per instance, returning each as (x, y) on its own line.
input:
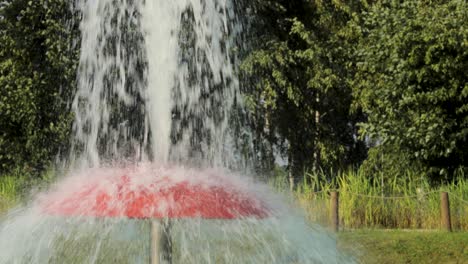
(151, 191)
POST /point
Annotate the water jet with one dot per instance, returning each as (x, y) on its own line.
(151, 141)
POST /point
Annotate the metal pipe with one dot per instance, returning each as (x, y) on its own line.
(161, 244)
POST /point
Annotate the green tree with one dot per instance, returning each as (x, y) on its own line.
(37, 72)
(412, 84)
(300, 96)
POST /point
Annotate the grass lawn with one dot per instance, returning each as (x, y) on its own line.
(396, 246)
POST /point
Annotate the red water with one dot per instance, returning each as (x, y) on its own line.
(157, 195)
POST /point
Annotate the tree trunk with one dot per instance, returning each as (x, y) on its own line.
(316, 154)
(292, 182)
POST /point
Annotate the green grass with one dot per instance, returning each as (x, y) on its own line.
(392, 246)
(16, 187)
(10, 191)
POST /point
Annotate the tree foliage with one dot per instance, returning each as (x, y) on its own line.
(300, 95)
(315, 70)
(411, 83)
(36, 77)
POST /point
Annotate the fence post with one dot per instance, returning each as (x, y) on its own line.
(335, 218)
(445, 211)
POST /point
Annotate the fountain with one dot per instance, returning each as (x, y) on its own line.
(152, 140)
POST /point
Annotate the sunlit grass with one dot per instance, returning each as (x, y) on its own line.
(10, 189)
(16, 187)
(397, 246)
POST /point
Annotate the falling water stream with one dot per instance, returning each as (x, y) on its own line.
(157, 89)
(156, 81)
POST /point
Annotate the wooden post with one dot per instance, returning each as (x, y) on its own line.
(445, 211)
(334, 216)
(161, 245)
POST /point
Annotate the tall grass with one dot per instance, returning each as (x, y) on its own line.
(10, 189)
(382, 202)
(18, 185)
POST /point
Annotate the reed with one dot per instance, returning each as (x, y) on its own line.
(19, 186)
(10, 189)
(383, 202)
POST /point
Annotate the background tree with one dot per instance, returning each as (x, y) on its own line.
(299, 97)
(37, 72)
(412, 85)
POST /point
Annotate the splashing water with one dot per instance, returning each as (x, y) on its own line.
(156, 91)
(33, 235)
